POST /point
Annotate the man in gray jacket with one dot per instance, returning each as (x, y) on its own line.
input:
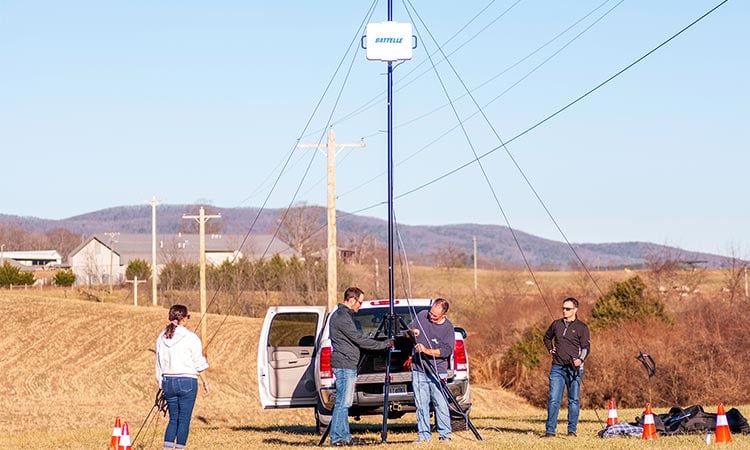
(435, 342)
(347, 340)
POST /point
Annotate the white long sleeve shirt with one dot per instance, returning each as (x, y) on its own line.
(180, 356)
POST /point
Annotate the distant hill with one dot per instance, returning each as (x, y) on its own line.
(495, 243)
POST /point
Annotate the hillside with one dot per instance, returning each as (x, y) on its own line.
(496, 245)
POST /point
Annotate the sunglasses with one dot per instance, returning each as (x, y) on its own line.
(568, 309)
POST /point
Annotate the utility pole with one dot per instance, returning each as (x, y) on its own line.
(112, 241)
(135, 282)
(153, 203)
(331, 148)
(475, 266)
(202, 218)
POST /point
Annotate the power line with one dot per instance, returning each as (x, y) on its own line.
(505, 91)
(554, 114)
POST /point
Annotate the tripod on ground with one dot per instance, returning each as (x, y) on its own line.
(448, 395)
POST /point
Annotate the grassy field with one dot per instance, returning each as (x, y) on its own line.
(70, 366)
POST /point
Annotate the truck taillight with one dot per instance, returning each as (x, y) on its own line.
(326, 371)
(459, 356)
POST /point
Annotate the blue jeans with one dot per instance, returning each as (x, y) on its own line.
(563, 377)
(180, 393)
(345, 379)
(427, 387)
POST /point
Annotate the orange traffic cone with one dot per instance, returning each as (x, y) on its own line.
(125, 443)
(723, 435)
(612, 414)
(649, 427)
(114, 441)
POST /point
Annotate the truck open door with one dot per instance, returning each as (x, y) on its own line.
(286, 376)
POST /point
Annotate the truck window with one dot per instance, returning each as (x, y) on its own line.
(371, 318)
(288, 330)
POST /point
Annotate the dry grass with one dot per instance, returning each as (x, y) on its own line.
(70, 366)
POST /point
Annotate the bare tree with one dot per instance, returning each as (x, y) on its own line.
(15, 238)
(91, 268)
(669, 276)
(63, 240)
(449, 256)
(363, 244)
(735, 275)
(302, 227)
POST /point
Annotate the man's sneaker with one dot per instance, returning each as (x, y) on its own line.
(342, 444)
(547, 435)
(444, 438)
(571, 434)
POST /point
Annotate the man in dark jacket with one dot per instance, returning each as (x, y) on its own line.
(347, 340)
(567, 340)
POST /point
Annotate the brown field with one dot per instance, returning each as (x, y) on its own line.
(70, 366)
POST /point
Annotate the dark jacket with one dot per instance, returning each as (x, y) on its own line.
(347, 339)
(571, 341)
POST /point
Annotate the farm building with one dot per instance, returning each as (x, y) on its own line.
(34, 258)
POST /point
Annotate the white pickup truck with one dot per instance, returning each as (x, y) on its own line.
(294, 363)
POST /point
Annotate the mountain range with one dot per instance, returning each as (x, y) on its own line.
(497, 245)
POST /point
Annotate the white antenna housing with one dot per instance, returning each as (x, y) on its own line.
(389, 41)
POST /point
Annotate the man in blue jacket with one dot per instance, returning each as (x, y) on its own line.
(347, 340)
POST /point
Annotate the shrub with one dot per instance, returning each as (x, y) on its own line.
(11, 275)
(65, 278)
(180, 276)
(528, 350)
(626, 301)
(138, 268)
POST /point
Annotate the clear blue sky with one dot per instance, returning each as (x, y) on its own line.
(106, 104)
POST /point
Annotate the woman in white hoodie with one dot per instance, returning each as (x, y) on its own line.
(179, 365)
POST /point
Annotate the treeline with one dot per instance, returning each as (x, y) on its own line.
(267, 275)
(15, 238)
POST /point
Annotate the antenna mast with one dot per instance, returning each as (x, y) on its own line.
(389, 41)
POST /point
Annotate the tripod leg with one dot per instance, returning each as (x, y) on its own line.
(451, 399)
(328, 430)
(386, 392)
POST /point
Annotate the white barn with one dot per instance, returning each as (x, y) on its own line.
(94, 262)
